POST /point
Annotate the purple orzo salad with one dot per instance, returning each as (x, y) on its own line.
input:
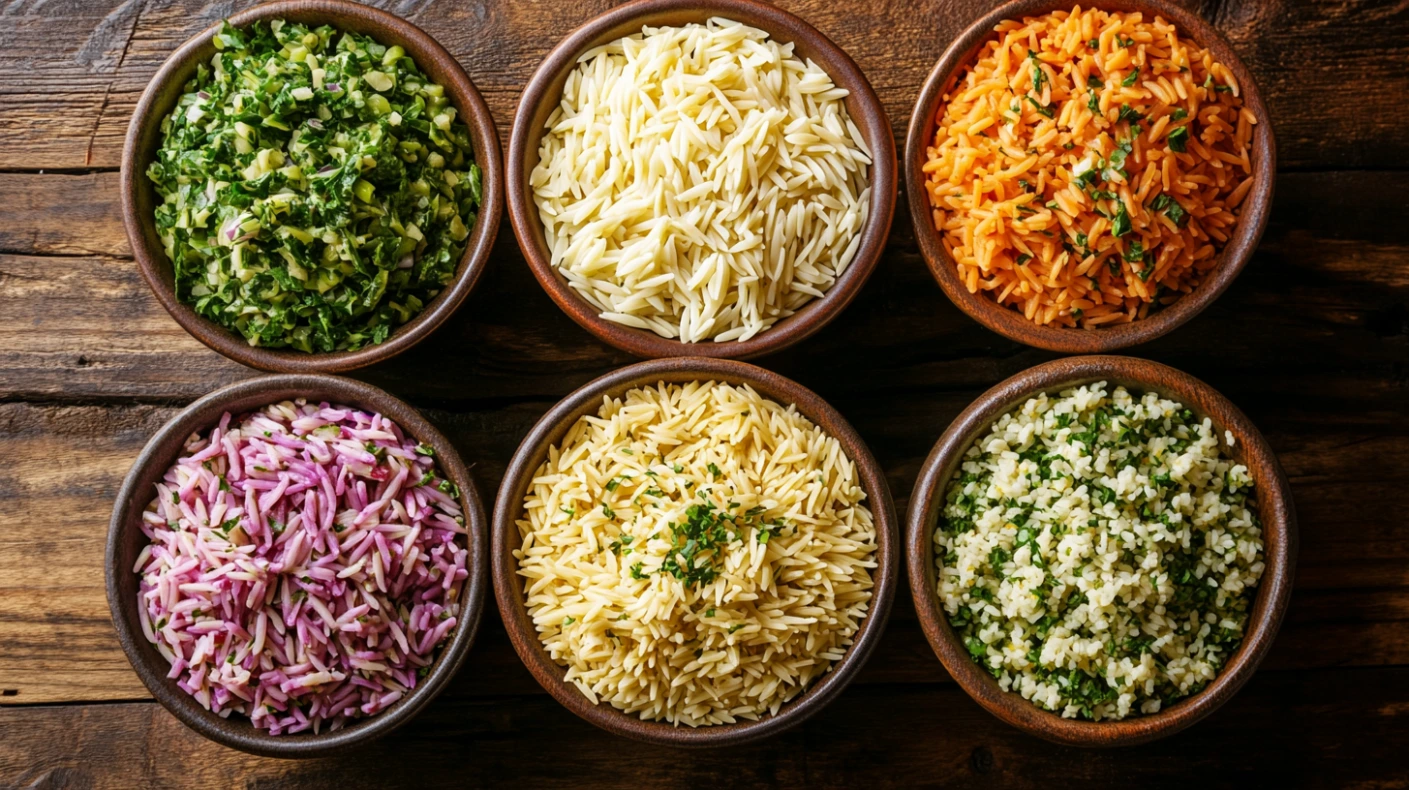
(305, 562)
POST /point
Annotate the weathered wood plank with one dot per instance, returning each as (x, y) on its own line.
(1312, 729)
(71, 72)
(1328, 281)
(51, 214)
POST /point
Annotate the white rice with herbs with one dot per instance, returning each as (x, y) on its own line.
(1098, 553)
(696, 553)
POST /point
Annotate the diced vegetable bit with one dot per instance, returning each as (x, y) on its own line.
(316, 188)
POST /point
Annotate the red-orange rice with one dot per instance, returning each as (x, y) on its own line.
(1017, 130)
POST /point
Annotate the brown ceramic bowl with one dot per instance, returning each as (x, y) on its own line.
(126, 540)
(139, 196)
(1013, 325)
(508, 585)
(544, 91)
(1274, 505)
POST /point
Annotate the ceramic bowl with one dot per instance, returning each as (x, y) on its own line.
(139, 196)
(126, 540)
(508, 585)
(1252, 220)
(1274, 506)
(544, 92)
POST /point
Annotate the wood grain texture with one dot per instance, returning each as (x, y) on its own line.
(1343, 728)
(1312, 342)
(71, 70)
(1327, 281)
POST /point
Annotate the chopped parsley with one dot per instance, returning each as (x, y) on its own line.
(1120, 225)
(1178, 139)
(316, 188)
(1038, 76)
(1170, 208)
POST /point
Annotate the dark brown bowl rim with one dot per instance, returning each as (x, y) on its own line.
(863, 105)
(550, 429)
(1256, 208)
(157, 456)
(144, 136)
(1275, 508)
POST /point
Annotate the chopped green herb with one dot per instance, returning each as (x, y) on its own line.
(425, 449)
(1121, 224)
(1044, 111)
(1038, 76)
(315, 209)
(1178, 139)
(1169, 207)
(1131, 77)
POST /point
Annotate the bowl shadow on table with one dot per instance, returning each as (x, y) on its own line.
(478, 737)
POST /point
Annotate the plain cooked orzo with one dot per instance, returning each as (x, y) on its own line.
(1098, 552)
(701, 182)
(696, 553)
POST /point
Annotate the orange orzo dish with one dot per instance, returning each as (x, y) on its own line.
(1089, 165)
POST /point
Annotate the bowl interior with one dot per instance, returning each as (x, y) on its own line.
(139, 196)
(1252, 220)
(544, 92)
(1275, 510)
(551, 429)
(126, 540)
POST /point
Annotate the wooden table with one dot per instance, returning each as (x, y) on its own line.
(1312, 342)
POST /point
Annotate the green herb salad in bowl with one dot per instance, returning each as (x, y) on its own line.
(314, 189)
